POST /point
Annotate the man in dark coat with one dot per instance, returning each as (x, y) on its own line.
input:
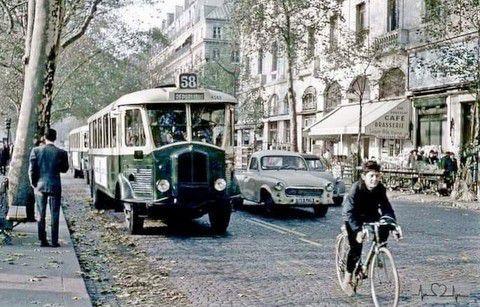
(46, 164)
(4, 158)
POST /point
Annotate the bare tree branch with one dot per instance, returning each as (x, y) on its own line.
(9, 15)
(84, 27)
(70, 74)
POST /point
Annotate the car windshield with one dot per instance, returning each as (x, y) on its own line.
(208, 123)
(315, 165)
(283, 162)
(168, 124)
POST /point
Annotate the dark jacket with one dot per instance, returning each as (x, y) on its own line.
(362, 206)
(46, 164)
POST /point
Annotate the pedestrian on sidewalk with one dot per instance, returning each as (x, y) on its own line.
(46, 163)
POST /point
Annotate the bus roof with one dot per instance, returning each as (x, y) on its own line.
(79, 129)
(167, 95)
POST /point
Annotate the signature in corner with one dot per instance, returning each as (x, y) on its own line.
(439, 290)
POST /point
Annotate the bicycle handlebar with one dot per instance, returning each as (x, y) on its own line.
(367, 228)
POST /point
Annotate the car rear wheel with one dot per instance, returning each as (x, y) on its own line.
(219, 217)
(320, 210)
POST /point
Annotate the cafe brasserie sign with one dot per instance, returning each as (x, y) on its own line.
(395, 124)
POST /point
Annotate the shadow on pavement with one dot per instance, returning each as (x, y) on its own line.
(280, 213)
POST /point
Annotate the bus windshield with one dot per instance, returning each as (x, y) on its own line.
(208, 123)
(168, 124)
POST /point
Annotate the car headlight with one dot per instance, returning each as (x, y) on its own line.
(220, 184)
(329, 187)
(279, 186)
(163, 185)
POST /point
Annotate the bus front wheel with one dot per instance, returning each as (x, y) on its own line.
(134, 222)
(219, 217)
(98, 199)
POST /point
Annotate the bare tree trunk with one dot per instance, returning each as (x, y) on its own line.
(45, 105)
(20, 192)
(37, 88)
(291, 98)
(359, 135)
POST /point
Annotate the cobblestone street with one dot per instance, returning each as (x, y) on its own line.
(288, 257)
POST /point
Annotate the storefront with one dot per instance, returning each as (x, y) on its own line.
(385, 128)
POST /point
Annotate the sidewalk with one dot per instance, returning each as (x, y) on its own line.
(431, 198)
(31, 275)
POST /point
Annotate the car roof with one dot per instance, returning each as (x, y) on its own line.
(263, 153)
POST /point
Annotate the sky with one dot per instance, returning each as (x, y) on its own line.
(144, 17)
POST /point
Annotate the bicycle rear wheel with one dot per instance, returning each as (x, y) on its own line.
(341, 252)
(384, 281)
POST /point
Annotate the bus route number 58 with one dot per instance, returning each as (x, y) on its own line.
(188, 81)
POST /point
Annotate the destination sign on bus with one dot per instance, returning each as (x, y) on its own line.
(189, 96)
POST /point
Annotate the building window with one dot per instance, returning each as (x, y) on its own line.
(217, 32)
(392, 15)
(432, 126)
(273, 106)
(309, 99)
(359, 87)
(392, 84)
(333, 37)
(333, 97)
(274, 56)
(272, 133)
(260, 62)
(287, 131)
(215, 54)
(361, 23)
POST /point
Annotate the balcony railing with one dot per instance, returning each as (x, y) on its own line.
(391, 41)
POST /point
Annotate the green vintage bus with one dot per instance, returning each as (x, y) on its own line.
(165, 151)
(78, 149)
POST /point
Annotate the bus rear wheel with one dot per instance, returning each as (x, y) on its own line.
(219, 217)
(98, 199)
(133, 220)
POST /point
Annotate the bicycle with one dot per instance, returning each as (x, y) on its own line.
(378, 263)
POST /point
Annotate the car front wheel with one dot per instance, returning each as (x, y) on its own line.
(320, 210)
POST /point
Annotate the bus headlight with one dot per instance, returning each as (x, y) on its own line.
(220, 184)
(163, 185)
(279, 186)
(329, 187)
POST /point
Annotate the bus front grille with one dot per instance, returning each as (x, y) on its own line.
(142, 185)
(192, 168)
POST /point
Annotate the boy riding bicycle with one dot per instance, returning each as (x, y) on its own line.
(365, 203)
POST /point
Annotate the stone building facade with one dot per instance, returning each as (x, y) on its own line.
(196, 34)
(403, 105)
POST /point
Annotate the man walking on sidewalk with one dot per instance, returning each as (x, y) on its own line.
(46, 164)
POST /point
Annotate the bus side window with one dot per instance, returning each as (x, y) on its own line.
(113, 129)
(134, 134)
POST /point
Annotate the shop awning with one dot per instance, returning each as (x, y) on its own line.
(389, 119)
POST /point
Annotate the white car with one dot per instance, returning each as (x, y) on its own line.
(316, 167)
(277, 178)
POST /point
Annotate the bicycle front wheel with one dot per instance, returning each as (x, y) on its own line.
(384, 281)
(341, 253)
